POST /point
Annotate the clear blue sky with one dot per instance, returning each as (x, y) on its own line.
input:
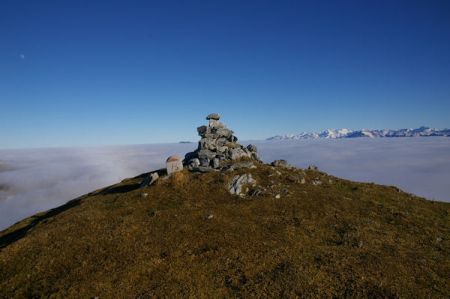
(75, 73)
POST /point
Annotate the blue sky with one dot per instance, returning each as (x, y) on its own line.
(76, 73)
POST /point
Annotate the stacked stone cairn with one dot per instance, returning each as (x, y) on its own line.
(218, 148)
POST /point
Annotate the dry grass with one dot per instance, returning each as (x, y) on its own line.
(190, 238)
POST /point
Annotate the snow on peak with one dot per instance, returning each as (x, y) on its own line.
(346, 133)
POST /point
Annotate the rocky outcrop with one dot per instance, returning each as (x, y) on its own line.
(217, 146)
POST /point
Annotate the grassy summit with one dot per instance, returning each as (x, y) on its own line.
(186, 236)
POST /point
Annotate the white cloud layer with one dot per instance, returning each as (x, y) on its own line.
(39, 179)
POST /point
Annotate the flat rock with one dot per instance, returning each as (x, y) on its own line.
(239, 165)
(203, 169)
(213, 116)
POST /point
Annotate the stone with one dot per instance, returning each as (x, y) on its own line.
(278, 196)
(174, 164)
(238, 182)
(221, 141)
(238, 153)
(317, 182)
(221, 149)
(189, 156)
(194, 162)
(222, 132)
(202, 130)
(280, 163)
(252, 148)
(153, 177)
(256, 191)
(207, 144)
(150, 179)
(214, 116)
(215, 163)
(204, 162)
(205, 153)
(255, 156)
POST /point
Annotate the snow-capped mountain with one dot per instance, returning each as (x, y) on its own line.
(346, 133)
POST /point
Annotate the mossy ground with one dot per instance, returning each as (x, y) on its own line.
(188, 237)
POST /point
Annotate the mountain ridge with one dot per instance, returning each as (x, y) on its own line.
(187, 236)
(367, 133)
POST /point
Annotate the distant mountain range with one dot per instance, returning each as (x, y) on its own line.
(346, 133)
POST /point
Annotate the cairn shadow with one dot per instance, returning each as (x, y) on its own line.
(135, 183)
(21, 232)
(121, 189)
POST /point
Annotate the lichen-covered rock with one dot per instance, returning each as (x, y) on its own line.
(236, 185)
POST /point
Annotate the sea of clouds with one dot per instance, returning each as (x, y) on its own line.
(34, 180)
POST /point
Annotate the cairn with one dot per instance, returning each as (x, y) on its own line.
(217, 147)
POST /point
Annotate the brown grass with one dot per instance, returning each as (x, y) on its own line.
(190, 238)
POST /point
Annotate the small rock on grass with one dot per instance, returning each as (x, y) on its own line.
(150, 179)
(280, 163)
